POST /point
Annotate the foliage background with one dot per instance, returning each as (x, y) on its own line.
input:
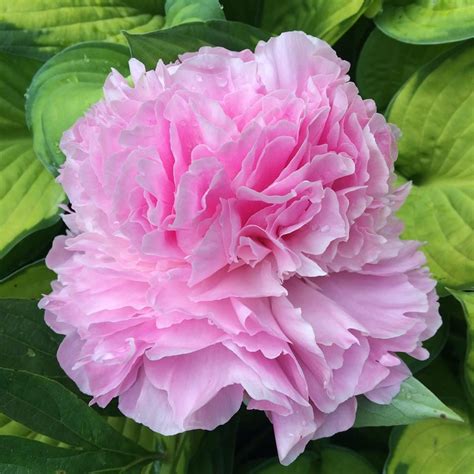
(414, 57)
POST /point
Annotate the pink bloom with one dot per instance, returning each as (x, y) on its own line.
(233, 240)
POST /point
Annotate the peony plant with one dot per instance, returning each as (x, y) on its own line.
(238, 237)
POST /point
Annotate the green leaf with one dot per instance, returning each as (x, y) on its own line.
(136, 432)
(427, 22)
(29, 197)
(432, 447)
(335, 459)
(326, 19)
(327, 460)
(414, 402)
(306, 463)
(374, 8)
(64, 88)
(434, 112)
(9, 427)
(27, 190)
(53, 410)
(26, 342)
(179, 451)
(12, 428)
(215, 452)
(245, 11)
(20, 455)
(42, 28)
(29, 283)
(167, 44)
(434, 345)
(443, 378)
(466, 299)
(385, 64)
(349, 46)
(31, 249)
(188, 11)
(369, 442)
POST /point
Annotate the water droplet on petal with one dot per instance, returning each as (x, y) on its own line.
(324, 228)
(199, 78)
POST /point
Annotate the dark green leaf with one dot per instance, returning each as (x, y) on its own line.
(467, 302)
(169, 43)
(306, 463)
(434, 345)
(26, 342)
(245, 11)
(326, 460)
(9, 427)
(136, 432)
(30, 249)
(215, 452)
(443, 377)
(385, 64)
(53, 410)
(24, 456)
(370, 442)
(340, 460)
(348, 47)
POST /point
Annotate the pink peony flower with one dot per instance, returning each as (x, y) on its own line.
(232, 239)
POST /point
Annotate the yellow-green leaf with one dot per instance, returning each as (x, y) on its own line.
(187, 11)
(326, 19)
(467, 302)
(29, 196)
(64, 88)
(432, 447)
(41, 28)
(435, 112)
(427, 21)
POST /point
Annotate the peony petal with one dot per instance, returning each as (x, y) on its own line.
(232, 236)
